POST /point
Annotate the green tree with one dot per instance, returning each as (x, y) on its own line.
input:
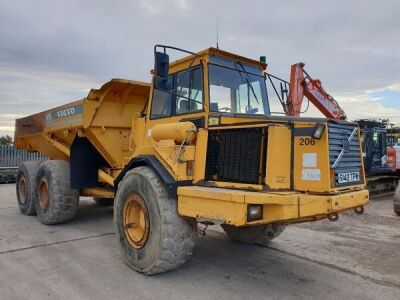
(6, 140)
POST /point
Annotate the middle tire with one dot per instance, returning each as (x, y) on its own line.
(152, 236)
(55, 202)
(259, 234)
(103, 201)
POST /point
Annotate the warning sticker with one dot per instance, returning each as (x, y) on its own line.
(311, 174)
(309, 160)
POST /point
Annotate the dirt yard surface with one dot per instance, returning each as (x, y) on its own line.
(357, 257)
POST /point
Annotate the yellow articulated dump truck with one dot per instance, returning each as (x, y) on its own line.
(196, 146)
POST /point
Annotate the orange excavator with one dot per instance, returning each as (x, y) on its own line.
(378, 158)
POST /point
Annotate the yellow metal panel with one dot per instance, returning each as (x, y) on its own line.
(345, 201)
(220, 211)
(212, 203)
(138, 132)
(271, 198)
(175, 158)
(112, 143)
(234, 185)
(311, 162)
(231, 205)
(278, 157)
(310, 206)
(278, 213)
(200, 155)
(60, 146)
(211, 193)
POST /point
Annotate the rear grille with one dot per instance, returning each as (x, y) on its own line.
(350, 161)
(236, 155)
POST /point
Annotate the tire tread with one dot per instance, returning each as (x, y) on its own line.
(64, 200)
(178, 235)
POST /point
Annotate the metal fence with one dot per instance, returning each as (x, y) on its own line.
(11, 157)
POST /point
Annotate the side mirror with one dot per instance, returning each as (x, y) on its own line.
(161, 68)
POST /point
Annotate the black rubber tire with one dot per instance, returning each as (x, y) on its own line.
(103, 201)
(27, 172)
(396, 208)
(63, 201)
(259, 234)
(171, 238)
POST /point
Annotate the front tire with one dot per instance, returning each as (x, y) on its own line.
(152, 236)
(26, 187)
(55, 202)
(259, 234)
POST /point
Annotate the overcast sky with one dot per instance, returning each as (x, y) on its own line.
(53, 52)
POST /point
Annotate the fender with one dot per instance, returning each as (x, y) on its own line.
(150, 161)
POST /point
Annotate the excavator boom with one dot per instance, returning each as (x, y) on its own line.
(301, 84)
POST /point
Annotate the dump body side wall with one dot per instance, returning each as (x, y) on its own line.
(61, 121)
(105, 117)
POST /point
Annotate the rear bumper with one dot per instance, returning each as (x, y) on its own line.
(230, 206)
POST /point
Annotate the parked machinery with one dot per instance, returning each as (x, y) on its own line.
(379, 160)
(197, 146)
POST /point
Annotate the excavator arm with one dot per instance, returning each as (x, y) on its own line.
(301, 84)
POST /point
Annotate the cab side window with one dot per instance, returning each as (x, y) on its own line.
(161, 106)
(162, 102)
(189, 91)
(184, 97)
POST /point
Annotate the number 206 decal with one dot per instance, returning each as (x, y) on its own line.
(306, 141)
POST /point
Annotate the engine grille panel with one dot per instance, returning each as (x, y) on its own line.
(350, 161)
(236, 155)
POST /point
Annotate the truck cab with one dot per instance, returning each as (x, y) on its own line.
(238, 144)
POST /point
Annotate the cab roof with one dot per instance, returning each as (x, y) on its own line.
(206, 53)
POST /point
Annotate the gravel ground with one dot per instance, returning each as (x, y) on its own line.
(357, 257)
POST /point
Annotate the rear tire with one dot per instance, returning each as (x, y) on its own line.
(55, 202)
(26, 187)
(103, 201)
(152, 236)
(259, 234)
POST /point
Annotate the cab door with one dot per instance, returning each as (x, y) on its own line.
(183, 101)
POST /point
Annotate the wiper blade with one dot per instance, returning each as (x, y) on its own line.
(247, 80)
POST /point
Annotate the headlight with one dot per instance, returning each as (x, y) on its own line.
(318, 131)
(254, 212)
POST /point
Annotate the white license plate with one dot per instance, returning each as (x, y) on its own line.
(349, 177)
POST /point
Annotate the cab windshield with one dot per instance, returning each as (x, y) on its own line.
(236, 88)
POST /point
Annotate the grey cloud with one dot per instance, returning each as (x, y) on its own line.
(352, 46)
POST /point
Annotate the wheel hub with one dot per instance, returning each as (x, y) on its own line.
(22, 190)
(43, 193)
(136, 221)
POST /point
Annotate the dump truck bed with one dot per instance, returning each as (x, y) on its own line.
(105, 116)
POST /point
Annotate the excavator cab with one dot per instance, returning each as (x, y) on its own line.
(374, 147)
